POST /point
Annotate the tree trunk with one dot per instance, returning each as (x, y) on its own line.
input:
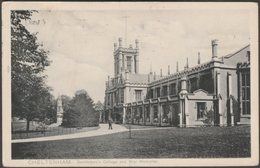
(27, 125)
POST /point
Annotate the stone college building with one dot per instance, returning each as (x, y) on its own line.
(213, 93)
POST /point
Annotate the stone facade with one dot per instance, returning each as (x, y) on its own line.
(213, 93)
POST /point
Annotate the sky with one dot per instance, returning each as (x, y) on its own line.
(81, 42)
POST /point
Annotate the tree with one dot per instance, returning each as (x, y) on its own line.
(99, 107)
(80, 111)
(30, 95)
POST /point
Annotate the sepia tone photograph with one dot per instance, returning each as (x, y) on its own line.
(130, 84)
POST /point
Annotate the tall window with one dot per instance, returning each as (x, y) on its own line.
(173, 89)
(201, 107)
(121, 95)
(138, 95)
(193, 84)
(164, 91)
(158, 92)
(151, 93)
(206, 83)
(155, 114)
(245, 93)
(128, 63)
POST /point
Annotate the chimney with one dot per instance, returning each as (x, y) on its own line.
(120, 42)
(169, 70)
(214, 44)
(115, 46)
(161, 72)
(130, 46)
(154, 76)
(198, 57)
(177, 67)
(187, 64)
(136, 44)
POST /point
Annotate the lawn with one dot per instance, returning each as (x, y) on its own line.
(207, 142)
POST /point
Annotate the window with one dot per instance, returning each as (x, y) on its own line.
(158, 92)
(140, 112)
(151, 93)
(155, 114)
(193, 84)
(138, 95)
(147, 113)
(173, 89)
(201, 107)
(206, 83)
(245, 93)
(128, 63)
(121, 95)
(164, 91)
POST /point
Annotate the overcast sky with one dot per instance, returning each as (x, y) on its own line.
(81, 42)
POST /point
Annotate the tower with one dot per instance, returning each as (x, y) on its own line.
(126, 59)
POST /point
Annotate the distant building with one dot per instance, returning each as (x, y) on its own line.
(216, 92)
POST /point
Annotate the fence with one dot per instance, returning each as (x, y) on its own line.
(47, 131)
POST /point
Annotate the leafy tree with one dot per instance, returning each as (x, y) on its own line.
(30, 95)
(80, 111)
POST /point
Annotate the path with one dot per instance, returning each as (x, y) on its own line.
(103, 130)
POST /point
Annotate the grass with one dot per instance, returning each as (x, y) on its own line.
(207, 142)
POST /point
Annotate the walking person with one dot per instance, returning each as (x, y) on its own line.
(110, 124)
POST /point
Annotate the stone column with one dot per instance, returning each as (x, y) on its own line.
(124, 115)
(160, 114)
(151, 113)
(187, 123)
(221, 120)
(144, 114)
(180, 114)
(182, 95)
(230, 99)
(132, 114)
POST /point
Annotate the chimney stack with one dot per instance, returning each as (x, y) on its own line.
(177, 67)
(120, 42)
(154, 76)
(169, 70)
(187, 64)
(136, 44)
(198, 57)
(214, 44)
